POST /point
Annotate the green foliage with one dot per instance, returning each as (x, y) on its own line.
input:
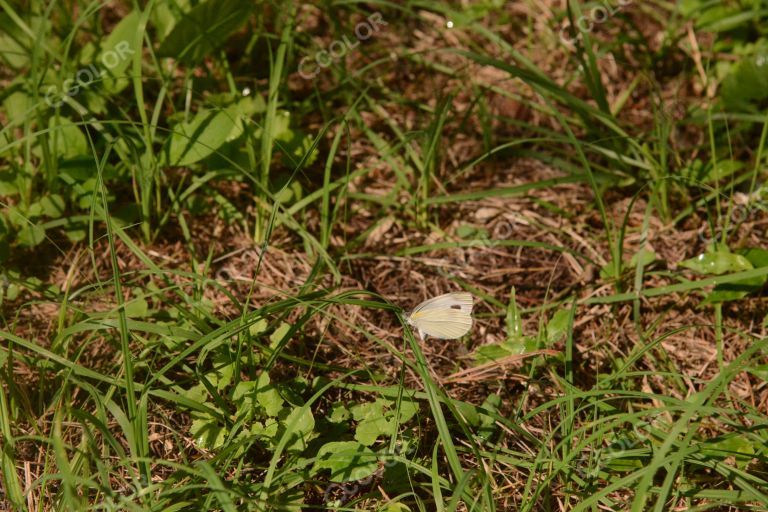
(203, 29)
(517, 342)
(207, 131)
(140, 377)
(346, 460)
(721, 261)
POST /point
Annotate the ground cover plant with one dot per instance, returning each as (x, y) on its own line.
(215, 216)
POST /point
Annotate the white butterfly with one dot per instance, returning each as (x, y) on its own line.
(445, 317)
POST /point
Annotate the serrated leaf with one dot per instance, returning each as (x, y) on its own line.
(347, 460)
(203, 29)
(192, 141)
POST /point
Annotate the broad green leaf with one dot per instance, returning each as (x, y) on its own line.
(65, 138)
(277, 337)
(192, 141)
(13, 291)
(203, 29)
(75, 234)
(15, 44)
(8, 183)
(17, 106)
(163, 16)
(196, 393)
(643, 257)
(378, 418)
(717, 263)
(223, 371)
(396, 507)
(258, 327)
(267, 396)
(468, 231)
(339, 413)
(31, 235)
(117, 52)
(53, 206)
(244, 391)
(367, 410)
(557, 327)
(269, 429)
(735, 445)
(496, 351)
(488, 425)
(288, 194)
(369, 430)
(347, 460)
(723, 169)
(302, 430)
(136, 308)
(207, 433)
(747, 81)
(757, 256)
(727, 262)
(290, 141)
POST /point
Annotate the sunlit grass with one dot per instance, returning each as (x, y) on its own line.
(206, 260)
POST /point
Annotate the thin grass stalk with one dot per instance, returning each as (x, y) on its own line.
(268, 136)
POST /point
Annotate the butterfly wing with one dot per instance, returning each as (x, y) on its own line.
(445, 317)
